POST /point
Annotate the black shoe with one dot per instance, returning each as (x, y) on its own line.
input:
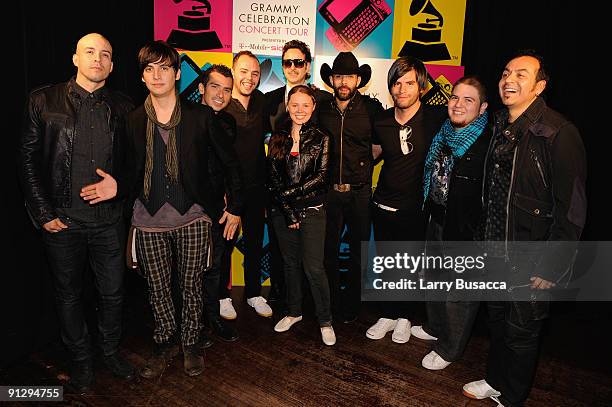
(205, 340)
(82, 376)
(193, 362)
(223, 331)
(349, 318)
(160, 358)
(119, 366)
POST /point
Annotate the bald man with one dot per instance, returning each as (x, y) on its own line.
(72, 138)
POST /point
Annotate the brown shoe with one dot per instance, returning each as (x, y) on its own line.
(193, 362)
(159, 360)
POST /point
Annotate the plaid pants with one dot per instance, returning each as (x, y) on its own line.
(190, 245)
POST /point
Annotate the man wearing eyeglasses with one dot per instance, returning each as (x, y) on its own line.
(296, 60)
(403, 133)
(534, 191)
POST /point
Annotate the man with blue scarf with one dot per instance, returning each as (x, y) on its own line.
(452, 182)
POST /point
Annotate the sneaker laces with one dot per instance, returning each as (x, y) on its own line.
(496, 399)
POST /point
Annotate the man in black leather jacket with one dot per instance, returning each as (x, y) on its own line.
(73, 133)
(534, 190)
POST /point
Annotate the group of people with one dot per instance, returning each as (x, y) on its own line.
(187, 176)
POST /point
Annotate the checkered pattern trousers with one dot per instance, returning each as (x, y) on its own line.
(190, 246)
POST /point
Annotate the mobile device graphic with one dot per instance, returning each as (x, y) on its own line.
(351, 21)
(190, 78)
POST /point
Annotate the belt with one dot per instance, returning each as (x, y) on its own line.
(347, 187)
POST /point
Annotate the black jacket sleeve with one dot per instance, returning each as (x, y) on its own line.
(30, 161)
(222, 133)
(568, 160)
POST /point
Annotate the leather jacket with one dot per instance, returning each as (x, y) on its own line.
(547, 199)
(46, 145)
(294, 187)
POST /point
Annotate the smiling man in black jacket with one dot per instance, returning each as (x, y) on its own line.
(534, 191)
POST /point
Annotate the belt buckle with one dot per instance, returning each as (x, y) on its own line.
(342, 187)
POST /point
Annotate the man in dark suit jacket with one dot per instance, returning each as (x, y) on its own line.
(166, 177)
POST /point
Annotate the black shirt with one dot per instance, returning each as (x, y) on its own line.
(252, 125)
(92, 148)
(400, 184)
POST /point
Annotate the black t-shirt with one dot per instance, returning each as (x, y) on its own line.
(400, 184)
(252, 125)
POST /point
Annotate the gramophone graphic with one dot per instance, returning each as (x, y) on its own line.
(425, 43)
(193, 32)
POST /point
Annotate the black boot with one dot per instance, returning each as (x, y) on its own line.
(119, 366)
(223, 331)
(193, 362)
(82, 375)
(160, 358)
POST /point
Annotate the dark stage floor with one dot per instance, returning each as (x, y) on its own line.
(264, 368)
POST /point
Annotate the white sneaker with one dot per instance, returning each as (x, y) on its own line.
(433, 361)
(420, 333)
(328, 335)
(380, 328)
(286, 323)
(401, 333)
(226, 309)
(260, 305)
(480, 389)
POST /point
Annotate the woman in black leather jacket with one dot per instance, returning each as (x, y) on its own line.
(297, 173)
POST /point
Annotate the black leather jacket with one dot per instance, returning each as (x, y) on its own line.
(547, 199)
(295, 186)
(45, 148)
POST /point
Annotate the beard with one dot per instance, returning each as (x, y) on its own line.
(347, 95)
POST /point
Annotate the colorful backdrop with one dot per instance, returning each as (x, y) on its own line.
(376, 31)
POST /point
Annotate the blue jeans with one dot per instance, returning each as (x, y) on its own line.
(68, 253)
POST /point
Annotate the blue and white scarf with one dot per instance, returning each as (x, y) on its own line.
(458, 141)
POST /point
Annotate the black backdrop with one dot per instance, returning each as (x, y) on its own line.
(50, 30)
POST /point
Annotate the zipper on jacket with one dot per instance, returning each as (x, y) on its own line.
(537, 162)
(508, 202)
(342, 113)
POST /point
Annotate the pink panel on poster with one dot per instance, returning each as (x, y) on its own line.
(450, 72)
(192, 25)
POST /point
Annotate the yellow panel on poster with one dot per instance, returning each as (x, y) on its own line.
(431, 30)
(237, 270)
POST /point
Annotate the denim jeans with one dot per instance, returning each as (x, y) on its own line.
(402, 225)
(515, 336)
(350, 208)
(211, 279)
(68, 253)
(304, 247)
(253, 220)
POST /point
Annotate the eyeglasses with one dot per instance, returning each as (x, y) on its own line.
(404, 134)
(298, 63)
